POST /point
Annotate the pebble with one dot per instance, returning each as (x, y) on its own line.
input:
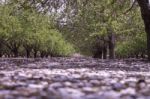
(110, 95)
(118, 86)
(89, 90)
(56, 85)
(128, 91)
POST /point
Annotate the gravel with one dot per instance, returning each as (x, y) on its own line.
(74, 78)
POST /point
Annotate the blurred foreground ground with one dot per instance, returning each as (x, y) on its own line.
(74, 78)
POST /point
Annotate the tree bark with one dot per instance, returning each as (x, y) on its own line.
(111, 44)
(35, 54)
(1, 54)
(27, 53)
(28, 50)
(98, 53)
(15, 52)
(43, 54)
(105, 52)
(145, 13)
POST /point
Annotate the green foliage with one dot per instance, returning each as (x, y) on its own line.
(38, 26)
(28, 30)
(132, 47)
(100, 18)
(131, 41)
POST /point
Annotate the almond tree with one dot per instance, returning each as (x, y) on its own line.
(145, 13)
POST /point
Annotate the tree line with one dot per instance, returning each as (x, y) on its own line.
(26, 32)
(97, 28)
(107, 29)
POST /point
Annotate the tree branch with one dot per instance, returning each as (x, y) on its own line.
(130, 7)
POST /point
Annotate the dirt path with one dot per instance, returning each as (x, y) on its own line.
(74, 78)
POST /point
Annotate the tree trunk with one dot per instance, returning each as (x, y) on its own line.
(142, 55)
(46, 55)
(1, 54)
(145, 13)
(43, 54)
(27, 53)
(28, 50)
(97, 49)
(35, 54)
(98, 54)
(111, 45)
(15, 52)
(105, 52)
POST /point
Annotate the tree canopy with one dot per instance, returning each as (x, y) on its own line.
(97, 28)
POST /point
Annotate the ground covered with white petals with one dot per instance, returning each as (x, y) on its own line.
(74, 78)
